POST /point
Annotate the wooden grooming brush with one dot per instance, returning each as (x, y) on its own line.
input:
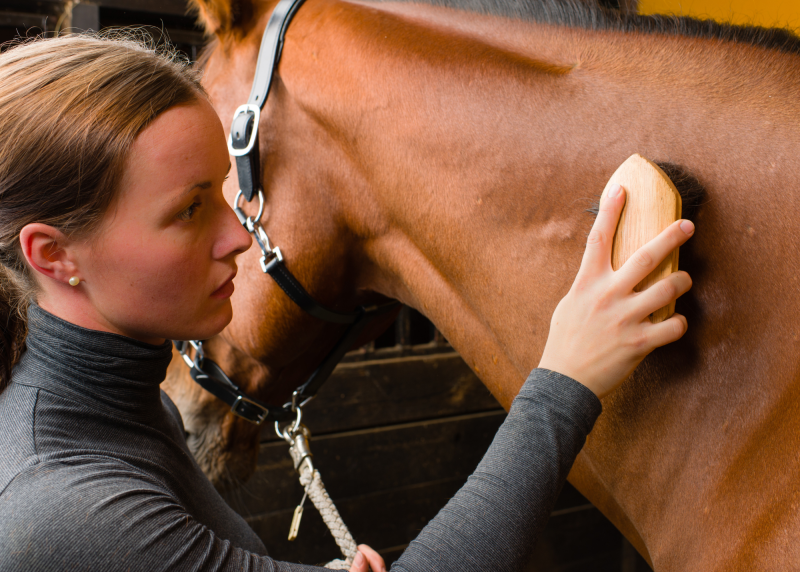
(652, 204)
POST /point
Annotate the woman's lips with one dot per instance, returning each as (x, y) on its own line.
(226, 290)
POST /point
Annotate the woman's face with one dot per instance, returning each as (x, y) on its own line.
(161, 265)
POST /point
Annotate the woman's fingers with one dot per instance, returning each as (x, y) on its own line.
(359, 564)
(598, 333)
(648, 257)
(597, 257)
(367, 560)
(665, 332)
(661, 293)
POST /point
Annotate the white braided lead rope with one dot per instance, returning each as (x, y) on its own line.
(338, 565)
(319, 496)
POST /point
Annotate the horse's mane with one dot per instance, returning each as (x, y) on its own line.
(603, 15)
(691, 190)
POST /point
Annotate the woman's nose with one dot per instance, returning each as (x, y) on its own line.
(234, 238)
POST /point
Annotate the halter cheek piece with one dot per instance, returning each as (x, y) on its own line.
(243, 145)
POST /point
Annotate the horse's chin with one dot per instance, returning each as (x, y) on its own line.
(224, 446)
(226, 469)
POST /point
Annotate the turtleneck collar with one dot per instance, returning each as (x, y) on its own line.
(110, 372)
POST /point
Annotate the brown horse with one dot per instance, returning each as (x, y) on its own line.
(445, 158)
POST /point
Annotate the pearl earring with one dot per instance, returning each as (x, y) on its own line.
(74, 281)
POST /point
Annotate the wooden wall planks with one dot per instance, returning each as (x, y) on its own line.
(394, 440)
(397, 390)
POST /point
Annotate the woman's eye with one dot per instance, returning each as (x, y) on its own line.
(187, 214)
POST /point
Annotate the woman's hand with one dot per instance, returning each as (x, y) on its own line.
(367, 559)
(600, 331)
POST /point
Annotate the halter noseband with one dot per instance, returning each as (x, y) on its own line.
(243, 145)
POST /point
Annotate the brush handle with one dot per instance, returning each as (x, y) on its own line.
(652, 204)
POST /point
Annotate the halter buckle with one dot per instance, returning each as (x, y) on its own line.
(238, 409)
(246, 108)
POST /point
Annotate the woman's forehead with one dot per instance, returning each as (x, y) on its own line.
(184, 146)
(181, 133)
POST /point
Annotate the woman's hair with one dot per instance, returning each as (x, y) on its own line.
(70, 110)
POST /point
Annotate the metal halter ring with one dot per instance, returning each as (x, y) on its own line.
(254, 227)
(287, 433)
(247, 221)
(293, 405)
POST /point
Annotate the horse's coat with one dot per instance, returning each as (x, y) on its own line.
(445, 159)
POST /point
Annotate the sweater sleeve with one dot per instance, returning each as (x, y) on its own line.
(494, 520)
(100, 514)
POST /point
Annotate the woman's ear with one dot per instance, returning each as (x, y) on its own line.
(47, 251)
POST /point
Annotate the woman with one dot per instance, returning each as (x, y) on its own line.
(115, 238)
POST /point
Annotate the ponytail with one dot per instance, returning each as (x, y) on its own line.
(14, 323)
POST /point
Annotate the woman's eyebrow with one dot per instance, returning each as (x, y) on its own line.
(207, 184)
(202, 186)
(191, 189)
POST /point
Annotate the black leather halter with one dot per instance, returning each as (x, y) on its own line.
(243, 141)
(243, 145)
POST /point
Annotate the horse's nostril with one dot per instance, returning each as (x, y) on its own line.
(185, 435)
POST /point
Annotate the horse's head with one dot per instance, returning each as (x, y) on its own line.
(272, 345)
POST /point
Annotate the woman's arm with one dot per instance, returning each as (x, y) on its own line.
(493, 521)
(99, 513)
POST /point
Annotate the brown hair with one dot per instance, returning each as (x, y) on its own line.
(70, 109)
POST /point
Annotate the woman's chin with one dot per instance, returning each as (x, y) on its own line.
(209, 324)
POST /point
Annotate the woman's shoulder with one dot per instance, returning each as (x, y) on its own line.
(101, 513)
(39, 429)
(17, 444)
(74, 504)
(74, 479)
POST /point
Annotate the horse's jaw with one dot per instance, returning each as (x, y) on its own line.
(224, 447)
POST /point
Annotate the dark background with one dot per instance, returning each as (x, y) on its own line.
(401, 424)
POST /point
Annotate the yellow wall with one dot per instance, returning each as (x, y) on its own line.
(784, 13)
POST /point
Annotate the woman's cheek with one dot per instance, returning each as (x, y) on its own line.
(180, 275)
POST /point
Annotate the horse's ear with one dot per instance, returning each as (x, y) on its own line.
(222, 17)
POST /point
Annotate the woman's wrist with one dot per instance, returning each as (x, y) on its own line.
(567, 372)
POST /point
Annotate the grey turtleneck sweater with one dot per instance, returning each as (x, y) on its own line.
(95, 474)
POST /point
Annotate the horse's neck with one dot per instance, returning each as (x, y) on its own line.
(478, 240)
(507, 148)
(480, 161)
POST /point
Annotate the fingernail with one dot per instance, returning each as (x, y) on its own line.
(687, 226)
(614, 191)
(358, 560)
